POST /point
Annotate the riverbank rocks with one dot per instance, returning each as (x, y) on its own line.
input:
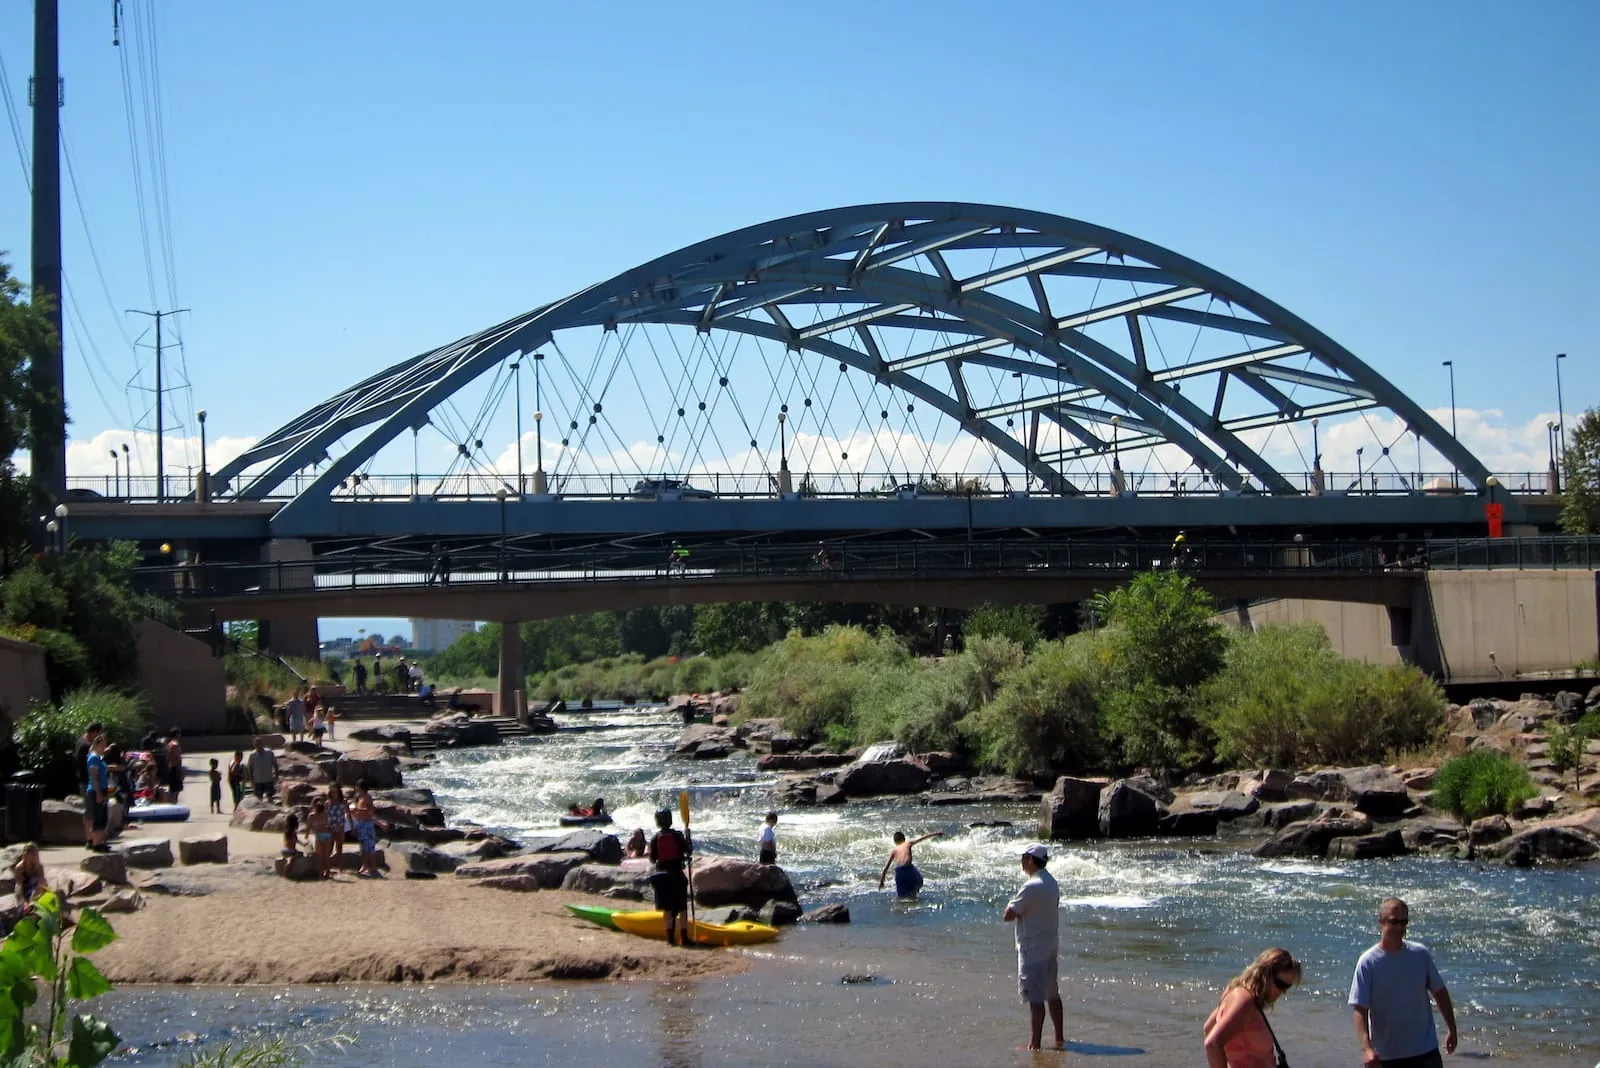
(203, 849)
(1418, 778)
(778, 913)
(728, 881)
(1228, 806)
(1545, 843)
(873, 778)
(605, 880)
(1368, 846)
(521, 884)
(1125, 811)
(800, 761)
(1071, 810)
(381, 770)
(1374, 790)
(549, 868)
(827, 914)
(450, 730)
(1310, 838)
(702, 741)
(1188, 823)
(145, 852)
(1489, 830)
(1268, 784)
(1432, 834)
(595, 844)
(298, 868)
(414, 856)
(112, 867)
(1281, 815)
(61, 822)
(390, 733)
(125, 900)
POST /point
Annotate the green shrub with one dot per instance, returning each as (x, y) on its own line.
(1045, 715)
(1566, 746)
(46, 733)
(1018, 623)
(1286, 698)
(811, 682)
(1482, 783)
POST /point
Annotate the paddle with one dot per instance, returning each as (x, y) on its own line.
(683, 811)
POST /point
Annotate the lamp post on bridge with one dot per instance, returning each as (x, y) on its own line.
(1550, 434)
(1316, 460)
(785, 483)
(1117, 479)
(500, 494)
(202, 486)
(1359, 472)
(516, 376)
(1455, 471)
(127, 471)
(1561, 417)
(116, 476)
(61, 522)
(540, 485)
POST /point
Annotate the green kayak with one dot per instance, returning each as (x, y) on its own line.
(594, 914)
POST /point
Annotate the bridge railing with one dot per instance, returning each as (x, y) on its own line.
(481, 486)
(1560, 553)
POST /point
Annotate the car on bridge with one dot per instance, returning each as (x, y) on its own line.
(669, 489)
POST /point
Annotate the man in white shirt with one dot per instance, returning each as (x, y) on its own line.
(1389, 998)
(1036, 911)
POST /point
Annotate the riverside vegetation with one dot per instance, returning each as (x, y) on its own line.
(1154, 682)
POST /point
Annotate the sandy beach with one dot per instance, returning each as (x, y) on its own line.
(240, 923)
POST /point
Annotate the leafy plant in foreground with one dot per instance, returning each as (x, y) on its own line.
(36, 955)
(1481, 783)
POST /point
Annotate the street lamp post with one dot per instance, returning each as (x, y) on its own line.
(61, 519)
(127, 470)
(516, 375)
(785, 483)
(51, 528)
(1359, 472)
(1455, 469)
(1561, 414)
(203, 484)
(500, 494)
(1117, 480)
(1550, 435)
(116, 476)
(1316, 459)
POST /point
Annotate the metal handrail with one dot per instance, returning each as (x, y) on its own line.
(847, 561)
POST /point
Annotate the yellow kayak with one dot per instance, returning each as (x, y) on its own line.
(654, 925)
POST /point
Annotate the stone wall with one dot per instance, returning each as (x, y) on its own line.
(22, 679)
(186, 685)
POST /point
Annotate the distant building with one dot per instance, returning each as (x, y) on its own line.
(432, 635)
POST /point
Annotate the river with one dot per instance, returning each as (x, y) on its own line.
(1150, 933)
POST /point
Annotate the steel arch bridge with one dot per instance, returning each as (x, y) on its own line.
(1053, 350)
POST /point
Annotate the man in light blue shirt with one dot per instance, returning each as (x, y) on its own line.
(1389, 997)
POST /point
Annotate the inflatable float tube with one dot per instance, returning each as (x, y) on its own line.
(584, 821)
(158, 813)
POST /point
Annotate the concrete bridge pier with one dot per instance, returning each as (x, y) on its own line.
(289, 636)
(512, 679)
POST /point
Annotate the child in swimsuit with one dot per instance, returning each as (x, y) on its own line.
(907, 879)
(29, 872)
(321, 836)
(291, 836)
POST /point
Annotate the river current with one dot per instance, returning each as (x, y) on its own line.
(1151, 931)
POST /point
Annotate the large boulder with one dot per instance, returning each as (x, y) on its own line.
(299, 868)
(1432, 834)
(254, 812)
(61, 822)
(145, 852)
(827, 914)
(522, 884)
(1374, 790)
(1311, 837)
(628, 884)
(871, 778)
(381, 770)
(389, 733)
(1071, 810)
(1488, 830)
(480, 847)
(125, 900)
(410, 796)
(939, 764)
(549, 868)
(112, 867)
(779, 913)
(729, 881)
(203, 849)
(598, 845)
(1545, 842)
(1125, 811)
(1317, 786)
(1268, 784)
(1281, 815)
(705, 742)
(414, 856)
(800, 761)
(1368, 846)
(1188, 823)
(1419, 778)
(1228, 805)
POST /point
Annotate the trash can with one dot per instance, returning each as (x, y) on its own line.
(24, 808)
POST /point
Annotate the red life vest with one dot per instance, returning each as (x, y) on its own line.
(669, 846)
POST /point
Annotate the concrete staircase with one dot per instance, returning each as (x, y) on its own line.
(503, 725)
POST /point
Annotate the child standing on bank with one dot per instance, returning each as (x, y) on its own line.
(767, 841)
(216, 786)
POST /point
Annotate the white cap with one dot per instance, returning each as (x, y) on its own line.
(1037, 852)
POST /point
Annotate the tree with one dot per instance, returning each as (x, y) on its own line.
(1021, 623)
(1580, 506)
(25, 336)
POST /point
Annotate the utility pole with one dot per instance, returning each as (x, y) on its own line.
(49, 452)
(161, 425)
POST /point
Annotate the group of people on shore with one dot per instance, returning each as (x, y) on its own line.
(307, 714)
(107, 772)
(407, 676)
(334, 818)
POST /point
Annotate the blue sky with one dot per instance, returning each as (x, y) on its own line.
(350, 183)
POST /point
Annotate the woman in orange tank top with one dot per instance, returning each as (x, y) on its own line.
(1237, 1033)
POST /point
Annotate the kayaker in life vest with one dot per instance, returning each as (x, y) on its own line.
(669, 850)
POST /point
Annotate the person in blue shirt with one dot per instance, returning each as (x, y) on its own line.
(99, 794)
(1389, 998)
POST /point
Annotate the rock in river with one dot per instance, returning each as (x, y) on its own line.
(727, 881)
